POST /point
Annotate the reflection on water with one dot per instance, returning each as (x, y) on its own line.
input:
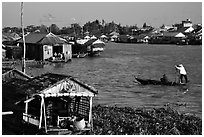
(112, 74)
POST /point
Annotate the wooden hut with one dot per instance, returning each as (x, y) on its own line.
(41, 46)
(55, 103)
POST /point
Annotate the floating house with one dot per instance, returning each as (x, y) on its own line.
(167, 38)
(10, 38)
(123, 39)
(10, 45)
(187, 23)
(53, 103)
(94, 47)
(104, 38)
(41, 46)
(114, 38)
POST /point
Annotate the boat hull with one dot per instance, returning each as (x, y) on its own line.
(156, 82)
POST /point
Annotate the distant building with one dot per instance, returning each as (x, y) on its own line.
(187, 23)
(167, 38)
(104, 38)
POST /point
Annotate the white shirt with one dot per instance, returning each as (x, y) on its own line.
(181, 70)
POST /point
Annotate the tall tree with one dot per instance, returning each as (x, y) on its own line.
(43, 29)
(54, 29)
(144, 25)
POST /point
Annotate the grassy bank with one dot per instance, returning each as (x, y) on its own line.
(129, 121)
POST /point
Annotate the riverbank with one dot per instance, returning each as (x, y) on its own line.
(137, 121)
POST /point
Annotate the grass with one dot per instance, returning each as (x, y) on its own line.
(129, 121)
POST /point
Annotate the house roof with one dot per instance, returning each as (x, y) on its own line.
(33, 38)
(173, 34)
(50, 84)
(185, 29)
(42, 38)
(10, 36)
(4, 70)
(114, 33)
(98, 44)
(87, 37)
(89, 42)
(93, 37)
(51, 39)
(10, 73)
(103, 36)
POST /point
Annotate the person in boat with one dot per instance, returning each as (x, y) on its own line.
(164, 79)
(182, 73)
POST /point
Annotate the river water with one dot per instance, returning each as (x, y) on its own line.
(112, 75)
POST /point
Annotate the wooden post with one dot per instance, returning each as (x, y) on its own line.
(26, 110)
(90, 112)
(41, 112)
(45, 119)
(24, 46)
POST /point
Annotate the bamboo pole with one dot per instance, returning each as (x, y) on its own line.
(24, 46)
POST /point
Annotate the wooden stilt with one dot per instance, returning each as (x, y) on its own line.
(90, 112)
(26, 110)
(41, 113)
(44, 112)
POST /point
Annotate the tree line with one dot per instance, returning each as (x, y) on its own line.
(96, 28)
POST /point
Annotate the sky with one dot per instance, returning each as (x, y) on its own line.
(126, 13)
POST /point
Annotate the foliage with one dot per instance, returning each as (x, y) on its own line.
(129, 121)
(96, 28)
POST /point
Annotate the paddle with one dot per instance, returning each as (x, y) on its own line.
(177, 76)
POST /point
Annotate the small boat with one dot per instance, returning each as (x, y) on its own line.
(57, 61)
(156, 82)
(80, 55)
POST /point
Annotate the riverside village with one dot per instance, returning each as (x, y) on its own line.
(42, 101)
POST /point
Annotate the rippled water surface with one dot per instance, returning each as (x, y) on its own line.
(112, 74)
